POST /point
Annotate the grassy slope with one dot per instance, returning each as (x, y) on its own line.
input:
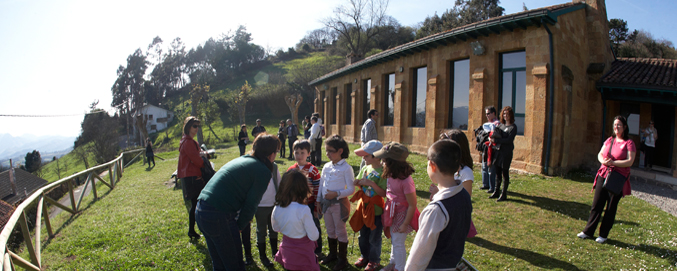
(73, 163)
(142, 225)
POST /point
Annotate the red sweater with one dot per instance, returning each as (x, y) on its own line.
(190, 161)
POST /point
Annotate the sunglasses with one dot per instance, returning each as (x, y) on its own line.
(196, 126)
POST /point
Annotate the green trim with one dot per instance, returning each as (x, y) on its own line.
(565, 11)
(633, 95)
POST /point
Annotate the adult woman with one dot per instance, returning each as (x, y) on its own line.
(149, 152)
(507, 130)
(242, 139)
(228, 202)
(190, 163)
(650, 137)
(282, 135)
(617, 153)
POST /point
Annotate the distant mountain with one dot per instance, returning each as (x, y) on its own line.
(16, 147)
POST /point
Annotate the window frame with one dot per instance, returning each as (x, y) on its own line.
(513, 72)
(452, 92)
(414, 94)
(348, 91)
(386, 100)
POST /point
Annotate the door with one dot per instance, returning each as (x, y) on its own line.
(664, 122)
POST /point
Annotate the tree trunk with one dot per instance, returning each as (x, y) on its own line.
(212, 130)
(294, 102)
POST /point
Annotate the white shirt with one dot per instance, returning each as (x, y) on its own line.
(337, 177)
(465, 174)
(649, 133)
(432, 221)
(268, 199)
(294, 221)
(315, 131)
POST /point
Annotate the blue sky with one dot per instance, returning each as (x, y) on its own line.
(56, 57)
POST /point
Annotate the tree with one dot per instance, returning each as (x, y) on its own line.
(58, 169)
(102, 131)
(237, 101)
(618, 32)
(358, 22)
(464, 12)
(205, 107)
(128, 89)
(642, 44)
(293, 102)
(33, 161)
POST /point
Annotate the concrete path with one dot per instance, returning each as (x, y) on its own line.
(66, 199)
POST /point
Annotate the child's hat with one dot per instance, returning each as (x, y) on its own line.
(369, 148)
(393, 150)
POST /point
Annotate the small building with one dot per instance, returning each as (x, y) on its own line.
(157, 119)
(21, 186)
(545, 63)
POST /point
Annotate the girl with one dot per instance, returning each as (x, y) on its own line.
(292, 217)
(263, 219)
(400, 214)
(336, 185)
(508, 131)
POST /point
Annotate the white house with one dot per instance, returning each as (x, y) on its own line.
(156, 118)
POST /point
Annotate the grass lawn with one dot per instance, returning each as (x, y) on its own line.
(142, 224)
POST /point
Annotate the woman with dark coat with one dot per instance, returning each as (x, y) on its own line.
(229, 201)
(242, 139)
(619, 159)
(149, 152)
(190, 163)
(507, 131)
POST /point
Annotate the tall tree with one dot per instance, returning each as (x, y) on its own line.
(102, 131)
(643, 44)
(464, 12)
(358, 22)
(33, 161)
(128, 89)
(618, 32)
(237, 101)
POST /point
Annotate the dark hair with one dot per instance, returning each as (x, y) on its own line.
(626, 129)
(293, 188)
(307, 117)
(446, 154)
(397, 169)
(459, 137)
(188, 122)
(511, 114)
(314, 119)
(264, 145)
(283, 122)
(303, 144)
(491, 109)
(337, 142)
(316, 114)
(371, 112)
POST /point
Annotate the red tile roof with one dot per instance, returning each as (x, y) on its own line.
(649, 73)
(6, 212)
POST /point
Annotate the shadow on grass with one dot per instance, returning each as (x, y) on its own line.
(423, 194)
(535, 259)
(658, 252)
(572, 209)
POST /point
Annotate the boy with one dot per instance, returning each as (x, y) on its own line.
(444, 223)
(373, 189)
(301, 153)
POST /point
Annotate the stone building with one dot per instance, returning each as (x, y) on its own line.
(545, 63)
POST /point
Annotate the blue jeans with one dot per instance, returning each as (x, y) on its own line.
(488, 175)
(222, 236)
(370, 241)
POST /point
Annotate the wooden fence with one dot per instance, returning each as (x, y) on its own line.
(9, 259)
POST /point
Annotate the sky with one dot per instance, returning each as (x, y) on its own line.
(57, 57)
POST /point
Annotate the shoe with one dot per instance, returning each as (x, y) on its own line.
(342, 262)
(361, 262)
(484, 187)
(504, 194)
(389, 267)
(582, 235)
(494, 195)
(600, 240)
(262, 255)
(372, 266)
(193, 234)
(490, 191)
(320, 256)
(333, 246)
(248, 260)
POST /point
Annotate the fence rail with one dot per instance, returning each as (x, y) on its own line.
(9, 259)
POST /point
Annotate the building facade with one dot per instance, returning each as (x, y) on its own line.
(544, 62)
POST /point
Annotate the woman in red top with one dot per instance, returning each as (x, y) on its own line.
(190, 163)
(620, 159)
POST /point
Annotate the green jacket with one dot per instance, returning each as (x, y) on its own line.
(238, 186)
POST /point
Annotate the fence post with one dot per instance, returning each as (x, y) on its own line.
(70, 192)
(27, 239)
(110, 174)
(48, 225)
(93, 184)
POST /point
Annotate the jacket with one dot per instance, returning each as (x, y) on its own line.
(190, 161)
(364, 214)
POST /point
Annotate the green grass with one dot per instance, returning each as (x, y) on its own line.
(69, 164)
(142, 225)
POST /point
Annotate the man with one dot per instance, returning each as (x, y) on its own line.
(292, 133)
(368, 132)
(488, 171)
(315, 142)
(258, 129)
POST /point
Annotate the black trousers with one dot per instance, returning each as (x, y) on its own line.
(648, 155)
(316, 156)
(291, 147)
(283, 148)
(602, 198)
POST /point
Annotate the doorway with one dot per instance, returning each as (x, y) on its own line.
(664, 122)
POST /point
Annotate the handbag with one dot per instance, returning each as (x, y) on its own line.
(614, 180)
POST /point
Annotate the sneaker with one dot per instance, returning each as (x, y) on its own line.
(361, 262)
(372, 266)
(600, 240)
(582, 235)
(389, 267)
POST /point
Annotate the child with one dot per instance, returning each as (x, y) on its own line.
(294, 220)
(336, 185)
(301, 152)
(263, 216)
(282, 135)
(367, 217)
(445, 222)
(400, 208)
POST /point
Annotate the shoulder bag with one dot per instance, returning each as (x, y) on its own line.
(614, 181)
